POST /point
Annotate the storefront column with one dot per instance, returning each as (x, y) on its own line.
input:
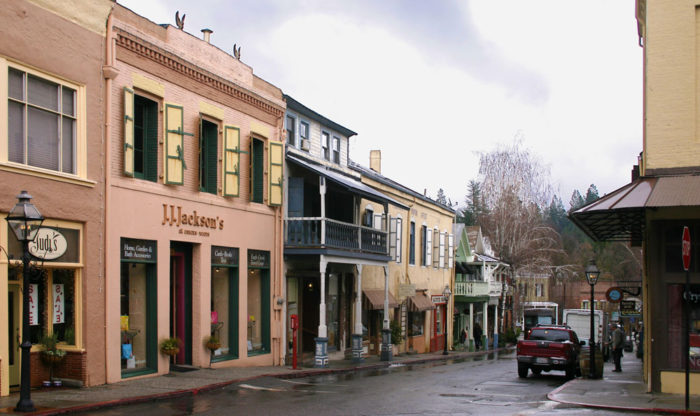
(471, 327)
(357, 333)
(386, 354)
(485, 342)
(321, 359)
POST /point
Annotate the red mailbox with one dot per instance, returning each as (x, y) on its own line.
(295, 327)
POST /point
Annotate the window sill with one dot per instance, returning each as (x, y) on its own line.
(45, 173)
(134, 373)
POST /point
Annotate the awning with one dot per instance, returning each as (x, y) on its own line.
(375, 298)
(419, 303)
(346, 182)
(620, 215)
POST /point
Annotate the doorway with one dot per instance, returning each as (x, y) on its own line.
(311, 299)
(181, 299)
(14, 332)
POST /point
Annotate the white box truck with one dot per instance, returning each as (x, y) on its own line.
(580, 321)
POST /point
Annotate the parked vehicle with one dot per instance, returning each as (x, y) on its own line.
(539, 313)
(580, 321)
(546, 348)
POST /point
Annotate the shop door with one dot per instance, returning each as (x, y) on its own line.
(310, 313)
(181, 299)
(14, 332)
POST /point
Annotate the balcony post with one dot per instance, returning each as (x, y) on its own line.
(357, 333)
(321, 357)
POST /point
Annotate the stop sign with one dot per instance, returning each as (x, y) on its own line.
(686, 248)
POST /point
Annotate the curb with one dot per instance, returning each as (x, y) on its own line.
(295, 374)
(553, 396)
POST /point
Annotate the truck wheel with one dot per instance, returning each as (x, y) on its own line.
(570, 372)
(536, 371)
(522, 370)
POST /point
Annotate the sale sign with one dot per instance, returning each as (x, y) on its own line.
(59, 313)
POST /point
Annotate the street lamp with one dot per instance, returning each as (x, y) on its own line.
(592, 274)
(446, 293)
(25, 220)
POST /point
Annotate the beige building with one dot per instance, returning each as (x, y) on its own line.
(193, 241)
(51, 145)
(662, 198)
(421, 249)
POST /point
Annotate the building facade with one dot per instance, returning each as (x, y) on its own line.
(653, 209)
(421, 250)
(194, 166)
(51, 145)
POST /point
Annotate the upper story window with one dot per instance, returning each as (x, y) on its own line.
(412, 243)
(325, 145)
(425, 246)
(208, 156)
(336, 149)
(145, 138)
(43, 117)
(304, 134)
(256, 170)
(291, 131)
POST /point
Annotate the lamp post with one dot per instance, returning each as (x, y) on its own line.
(592, 274)
(446, 293)
(25, 220)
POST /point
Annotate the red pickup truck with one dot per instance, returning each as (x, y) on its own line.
(549, 348)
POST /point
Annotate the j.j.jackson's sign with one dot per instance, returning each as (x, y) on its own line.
(49, 244)
(174, 215)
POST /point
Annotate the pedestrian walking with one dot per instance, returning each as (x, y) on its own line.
(477, 335)
(463, 336)
(618, 342)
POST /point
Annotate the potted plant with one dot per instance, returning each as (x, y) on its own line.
(170, 347)
(51, 355)
(213, 343)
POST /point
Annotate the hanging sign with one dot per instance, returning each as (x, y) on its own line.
(49, 244)
(614, 294)
(438, 299)
(59, 313)
(33, 304)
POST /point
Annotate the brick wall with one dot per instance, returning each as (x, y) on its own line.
(73, 366)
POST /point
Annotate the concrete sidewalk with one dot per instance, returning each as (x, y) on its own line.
(623, 391)
(616, 391)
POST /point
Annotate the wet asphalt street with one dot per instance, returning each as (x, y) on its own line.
(486, 385)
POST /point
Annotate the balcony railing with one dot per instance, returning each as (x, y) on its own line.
(327, 233)
(477, 288)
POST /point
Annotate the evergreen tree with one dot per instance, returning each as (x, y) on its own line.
(441, 198)
(591, 194)
(577, 201)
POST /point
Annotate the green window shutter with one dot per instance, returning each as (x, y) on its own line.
(202, 156)
(128, 132)
(174, 145)
(256, 170)
(276, 174)
(232, 159)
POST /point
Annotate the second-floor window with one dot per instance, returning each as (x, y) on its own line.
(412, 244)
(336, 149)
(208, 156)
(256, 170)
(325, 146)
(424, 245)
(42, 122)
(145, 138)
(291, 132)
(538, 289)
(304, 132)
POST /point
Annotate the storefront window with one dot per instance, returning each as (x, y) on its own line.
(676, 333)
(63, 305)
(438, 320)
(258, 325)
(415, 323)
(224, 308)
(138, 307)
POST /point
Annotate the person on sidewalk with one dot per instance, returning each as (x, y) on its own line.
(477, 335)
(618, 342)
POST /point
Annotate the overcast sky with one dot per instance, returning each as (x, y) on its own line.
(430, 83)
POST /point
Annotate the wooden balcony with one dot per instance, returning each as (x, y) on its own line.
(472, 288)
(325, 233)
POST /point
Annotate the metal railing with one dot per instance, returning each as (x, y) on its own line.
(314, 232)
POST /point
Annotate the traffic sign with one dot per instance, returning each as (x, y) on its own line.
(686, 248)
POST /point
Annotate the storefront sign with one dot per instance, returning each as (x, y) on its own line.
(224, 256)
(438, 299)
(628, 308)
(174, 215)
(407, 290)
(33, 304)
(259, 259)
(614, 294)
(58, 304)
(138, 250)
(49, 244)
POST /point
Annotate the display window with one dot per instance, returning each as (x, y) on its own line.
(224, 302)
(258, 299)
(138, 340)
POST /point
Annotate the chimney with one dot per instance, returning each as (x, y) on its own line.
(375, 160)
(206, 33)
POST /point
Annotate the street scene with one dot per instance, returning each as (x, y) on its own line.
(391, 208)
